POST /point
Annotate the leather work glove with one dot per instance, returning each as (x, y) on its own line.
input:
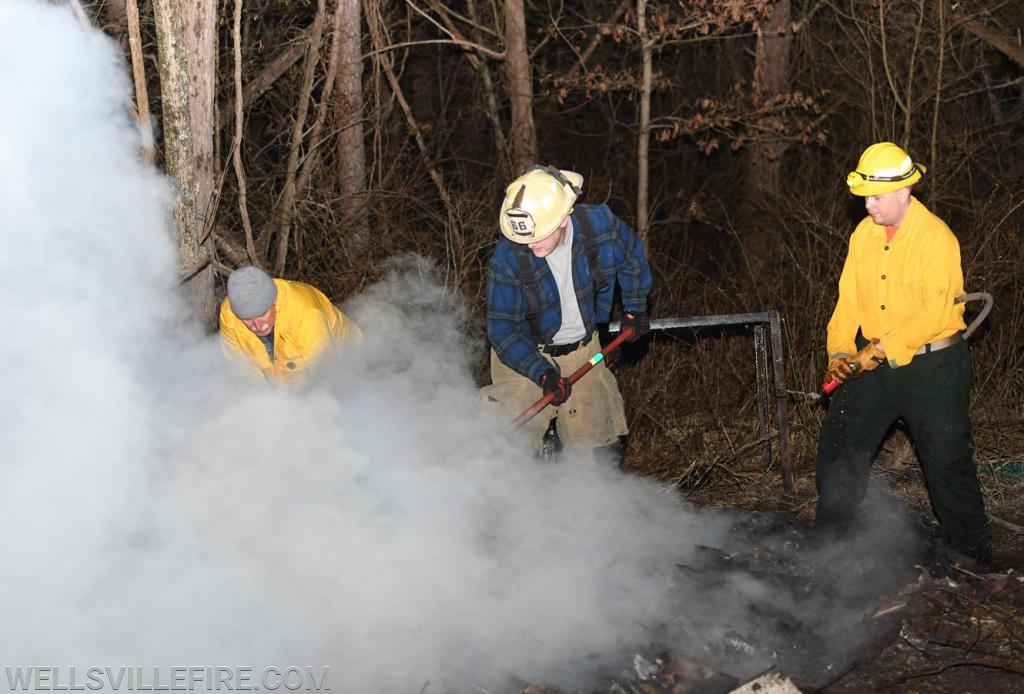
(640, 323)
(559, 387)
(868, 358)
(840, 370)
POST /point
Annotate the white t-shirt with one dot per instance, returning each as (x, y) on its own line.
(560, 263)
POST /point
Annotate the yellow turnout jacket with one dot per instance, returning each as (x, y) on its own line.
(308, 327)
(901, 291)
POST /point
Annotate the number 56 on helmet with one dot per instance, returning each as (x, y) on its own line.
(536, 203)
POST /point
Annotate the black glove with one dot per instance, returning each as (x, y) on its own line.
(560, 388)
(640, 323)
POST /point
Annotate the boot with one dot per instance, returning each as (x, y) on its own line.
(551, 445)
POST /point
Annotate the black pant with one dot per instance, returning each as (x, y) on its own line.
(931, 394)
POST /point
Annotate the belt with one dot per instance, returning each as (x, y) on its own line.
(941, 343)
(562, 350)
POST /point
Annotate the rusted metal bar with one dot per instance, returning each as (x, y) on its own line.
(781, 400)
(761, 371)
(759, 322)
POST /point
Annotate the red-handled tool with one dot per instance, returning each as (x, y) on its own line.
(830, 386)
(579, 373)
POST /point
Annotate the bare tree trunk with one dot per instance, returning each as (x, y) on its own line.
(187, 45)
(771, 79)
(350, 109)
(763, 161)
(520, 87)
(644, 136)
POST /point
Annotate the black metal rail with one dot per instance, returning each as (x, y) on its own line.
(766, 328)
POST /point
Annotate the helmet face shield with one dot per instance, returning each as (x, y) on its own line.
(536, 203)
(882, 168)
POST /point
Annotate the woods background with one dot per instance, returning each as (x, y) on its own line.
(317, 138)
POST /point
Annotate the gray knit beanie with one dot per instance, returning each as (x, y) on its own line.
(251, 292)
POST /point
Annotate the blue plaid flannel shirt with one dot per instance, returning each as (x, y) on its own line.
(621, 255)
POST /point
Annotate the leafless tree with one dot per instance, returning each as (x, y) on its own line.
(347, 53)
(187, 40)
(519, 70)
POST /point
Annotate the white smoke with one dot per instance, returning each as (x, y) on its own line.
(159, 509)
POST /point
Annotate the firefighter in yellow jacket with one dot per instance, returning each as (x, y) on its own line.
(895, 342)
(278, 328)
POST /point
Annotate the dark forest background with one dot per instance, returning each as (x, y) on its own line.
(337, 135)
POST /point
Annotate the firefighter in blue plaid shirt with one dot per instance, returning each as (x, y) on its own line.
(550, 282)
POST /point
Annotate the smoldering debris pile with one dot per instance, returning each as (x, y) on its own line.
(772, 601)
(651, 673)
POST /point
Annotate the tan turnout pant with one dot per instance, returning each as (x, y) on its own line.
(594, 415)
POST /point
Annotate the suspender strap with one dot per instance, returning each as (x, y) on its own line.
(529, 275)
(590, 245)
(530, 279)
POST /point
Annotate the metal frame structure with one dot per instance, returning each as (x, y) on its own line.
(769, 322)
(766, 327)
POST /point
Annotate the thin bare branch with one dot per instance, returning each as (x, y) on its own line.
(273, 71)
(236, 145)
(286, 204)
(139, 79)
(139, 109)
(595, 40)
(1005, 45)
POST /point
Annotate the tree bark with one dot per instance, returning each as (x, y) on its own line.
(187, 58)
(763, 158)
(771, 79)
(520, 88)
(351, 172)
(644, 136)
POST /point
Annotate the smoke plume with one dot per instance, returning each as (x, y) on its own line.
(159, 509)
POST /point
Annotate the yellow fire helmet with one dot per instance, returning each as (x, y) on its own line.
(883, 167)
(537, 202)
